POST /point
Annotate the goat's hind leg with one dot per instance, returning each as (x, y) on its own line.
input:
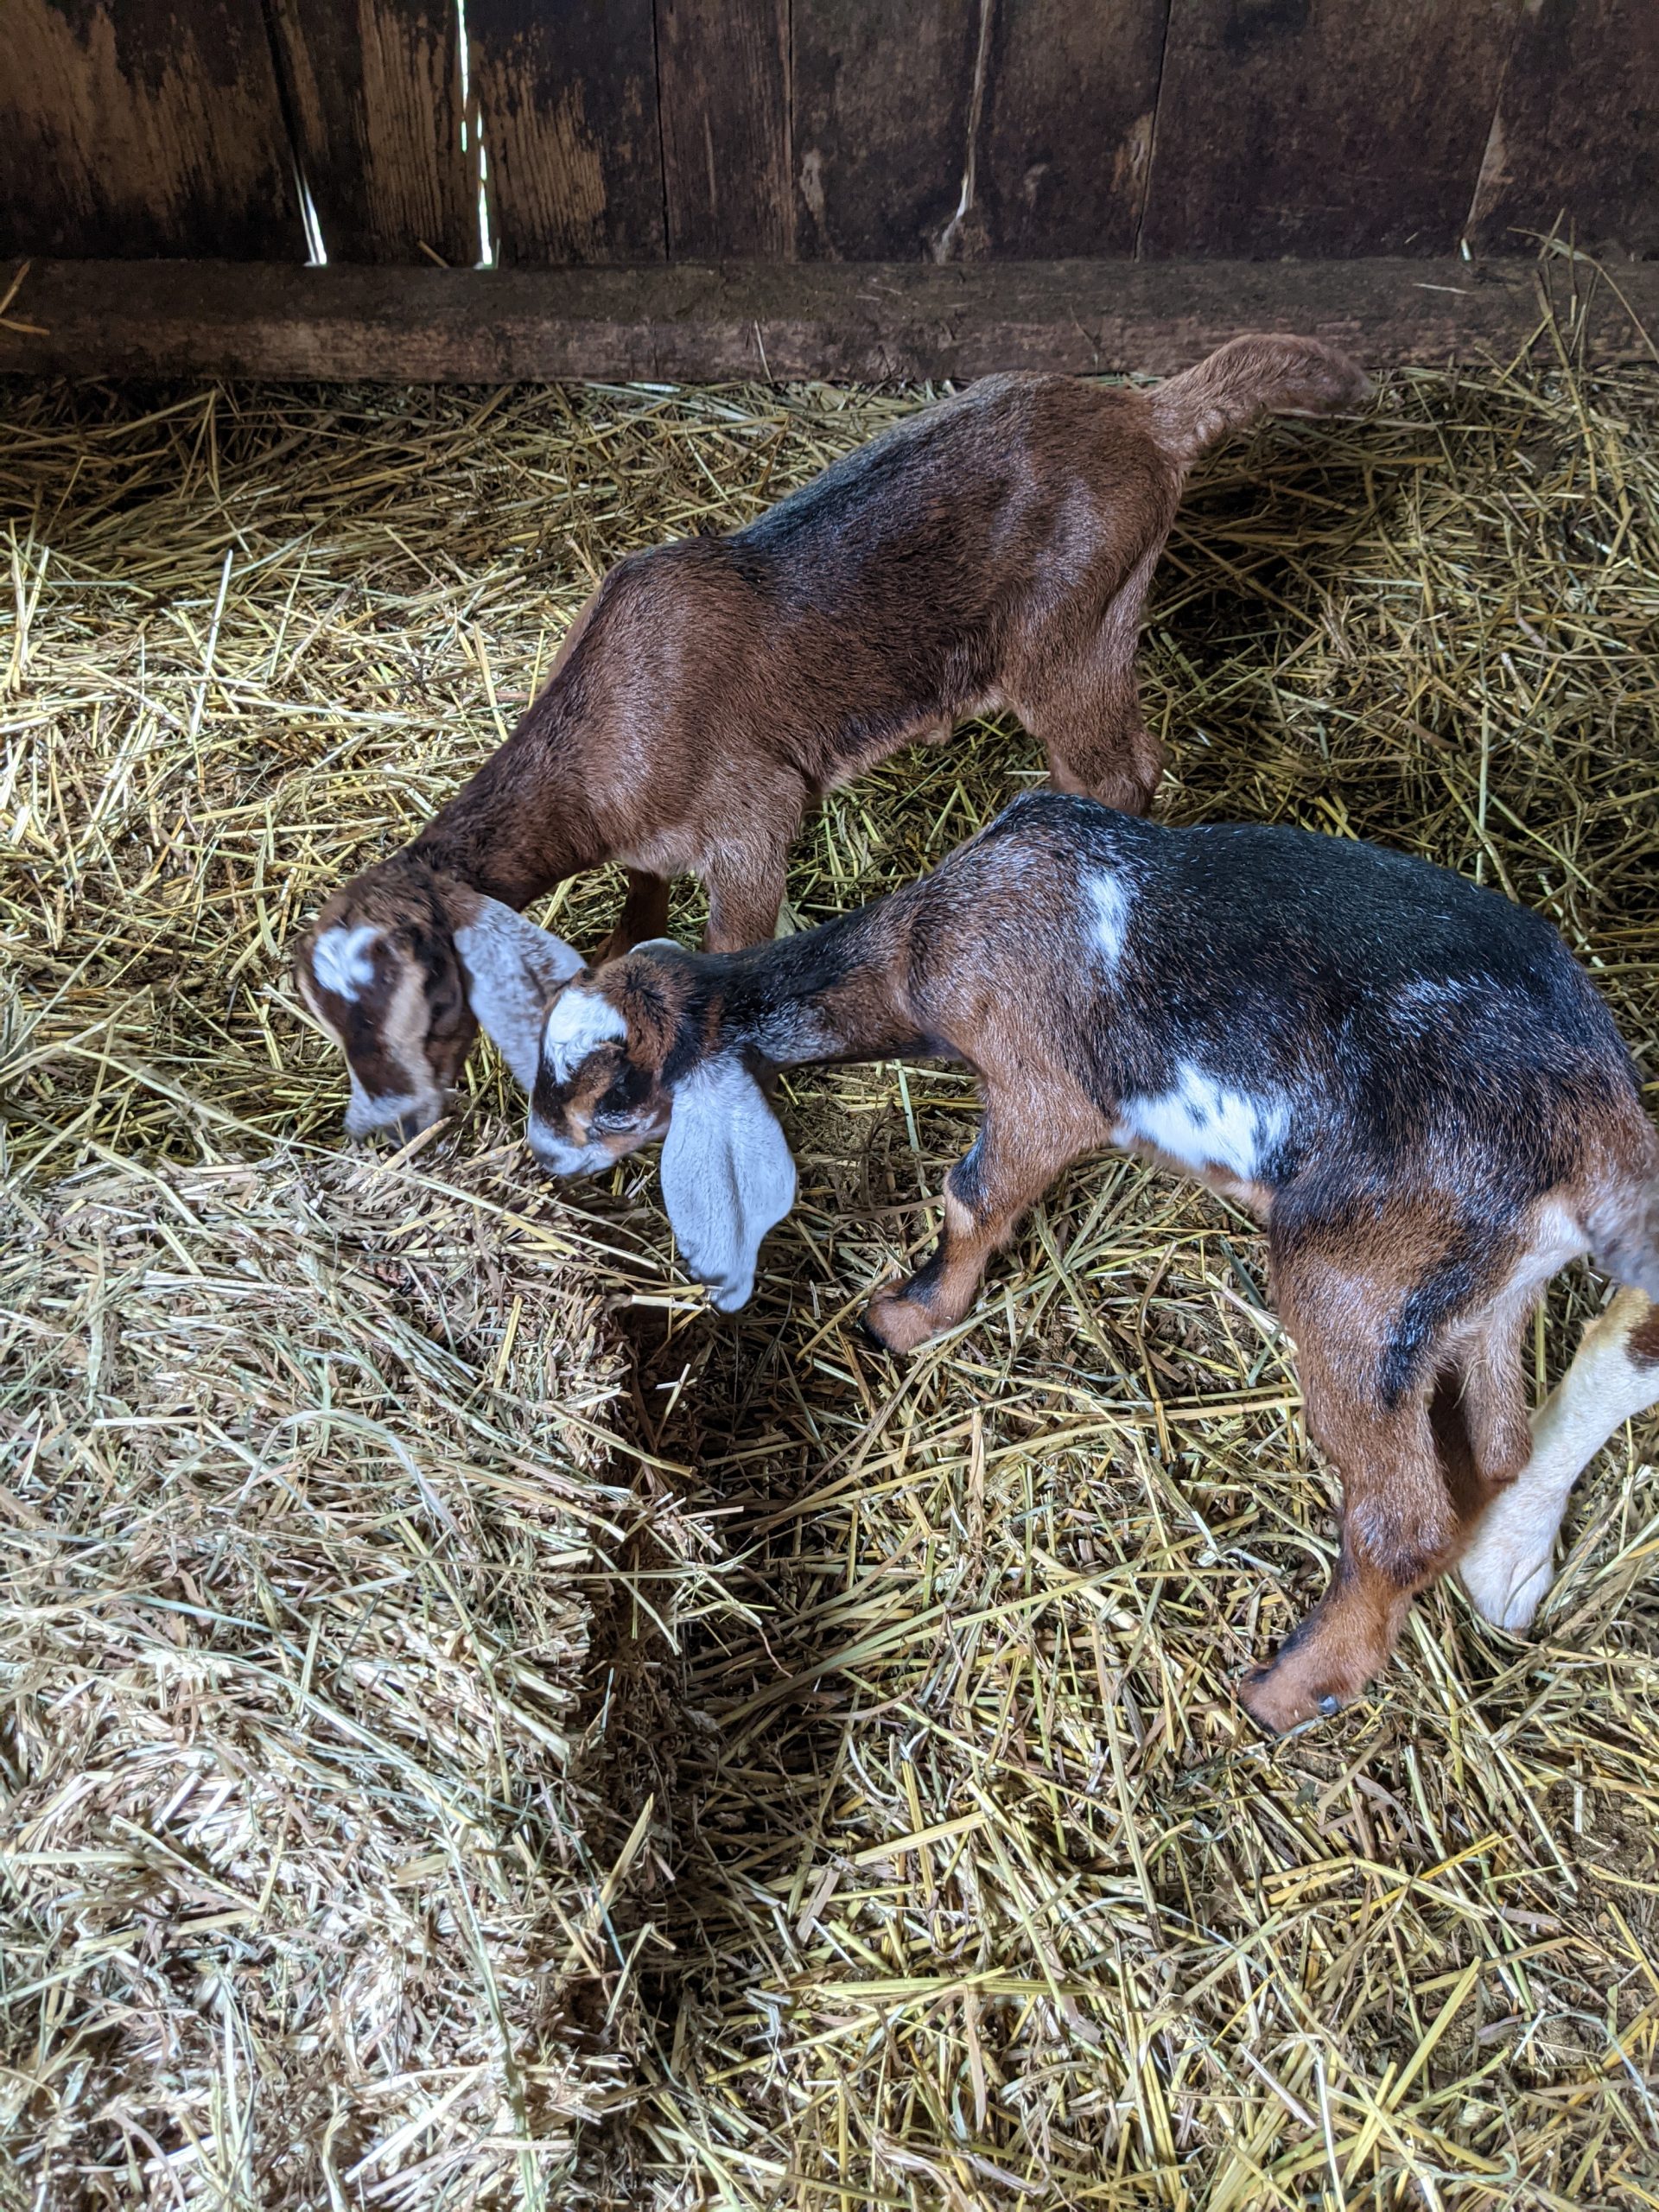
(1085, 711)
(1400, 1529)
(1399, 1533)
(746, 884)
(1508, 1566)
(1098, 744)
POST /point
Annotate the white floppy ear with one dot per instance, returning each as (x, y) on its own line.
(513, 970)
(728, 1177)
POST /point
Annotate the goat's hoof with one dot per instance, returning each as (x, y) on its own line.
(1278, 1703)
(895, 1322)
(1508, 1576)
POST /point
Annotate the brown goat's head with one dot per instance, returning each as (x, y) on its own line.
(398, 970)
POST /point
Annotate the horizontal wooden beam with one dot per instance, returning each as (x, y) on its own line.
(862, 321)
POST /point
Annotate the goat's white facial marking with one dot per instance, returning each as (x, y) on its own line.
(1109, 895)
(578, 1023)
(1204, 1124)
(558, 1157)
(341, 961)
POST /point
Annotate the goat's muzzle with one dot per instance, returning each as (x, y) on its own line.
(555, 1156)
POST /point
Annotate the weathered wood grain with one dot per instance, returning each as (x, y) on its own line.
(723, 86)
(374, 90)
(684, 323)
(1322, 127)
(567, 95)
(1067, 130)
(1576, 137)
(139, 128)
(882, 100)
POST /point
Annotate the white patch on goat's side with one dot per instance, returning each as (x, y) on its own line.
(1111, 898)
(1204, 1124)
(340, 961)
(579, 1022)
(1508, 1568)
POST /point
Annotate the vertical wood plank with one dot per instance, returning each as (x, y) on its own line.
(1576, 134)
(1067, 131)
(1322, 127)
(129, 128)
(567, 91)
(724, 89)
(374, 90)
(882, 100)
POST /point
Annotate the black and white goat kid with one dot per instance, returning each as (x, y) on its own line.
(1409, 1080)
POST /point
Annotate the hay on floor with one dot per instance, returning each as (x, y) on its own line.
(964, 1883)
(306, 1459)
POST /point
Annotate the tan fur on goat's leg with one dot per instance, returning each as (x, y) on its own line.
(1490, 1381)
(1401, 1527)
(1507, 1568)
(1083, 707)
(1399, 1533)
(746, 893)
(987, 1194)
(1088, 720)
(1123, 774)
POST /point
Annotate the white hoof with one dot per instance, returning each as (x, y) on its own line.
(1509, 1566)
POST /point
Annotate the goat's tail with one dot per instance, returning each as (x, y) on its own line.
(1249, 378)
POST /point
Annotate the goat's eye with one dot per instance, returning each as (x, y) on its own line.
(611, 1120)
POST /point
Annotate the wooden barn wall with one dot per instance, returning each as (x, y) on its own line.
(626, 132)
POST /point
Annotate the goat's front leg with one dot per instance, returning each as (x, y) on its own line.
(985, 1194)
(644, 915)
(746, 895)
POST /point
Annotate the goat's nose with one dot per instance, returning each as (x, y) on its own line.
(553, 1155)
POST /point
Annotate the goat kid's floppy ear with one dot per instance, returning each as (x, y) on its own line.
(728, 1177)
(513, 971)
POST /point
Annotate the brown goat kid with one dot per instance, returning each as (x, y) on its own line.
(1409, 1079)
(993, 553)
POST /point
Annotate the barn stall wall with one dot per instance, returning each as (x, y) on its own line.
(783, 186)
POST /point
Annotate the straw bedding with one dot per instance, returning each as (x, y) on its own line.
(573, 1701)
(301, 1894)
